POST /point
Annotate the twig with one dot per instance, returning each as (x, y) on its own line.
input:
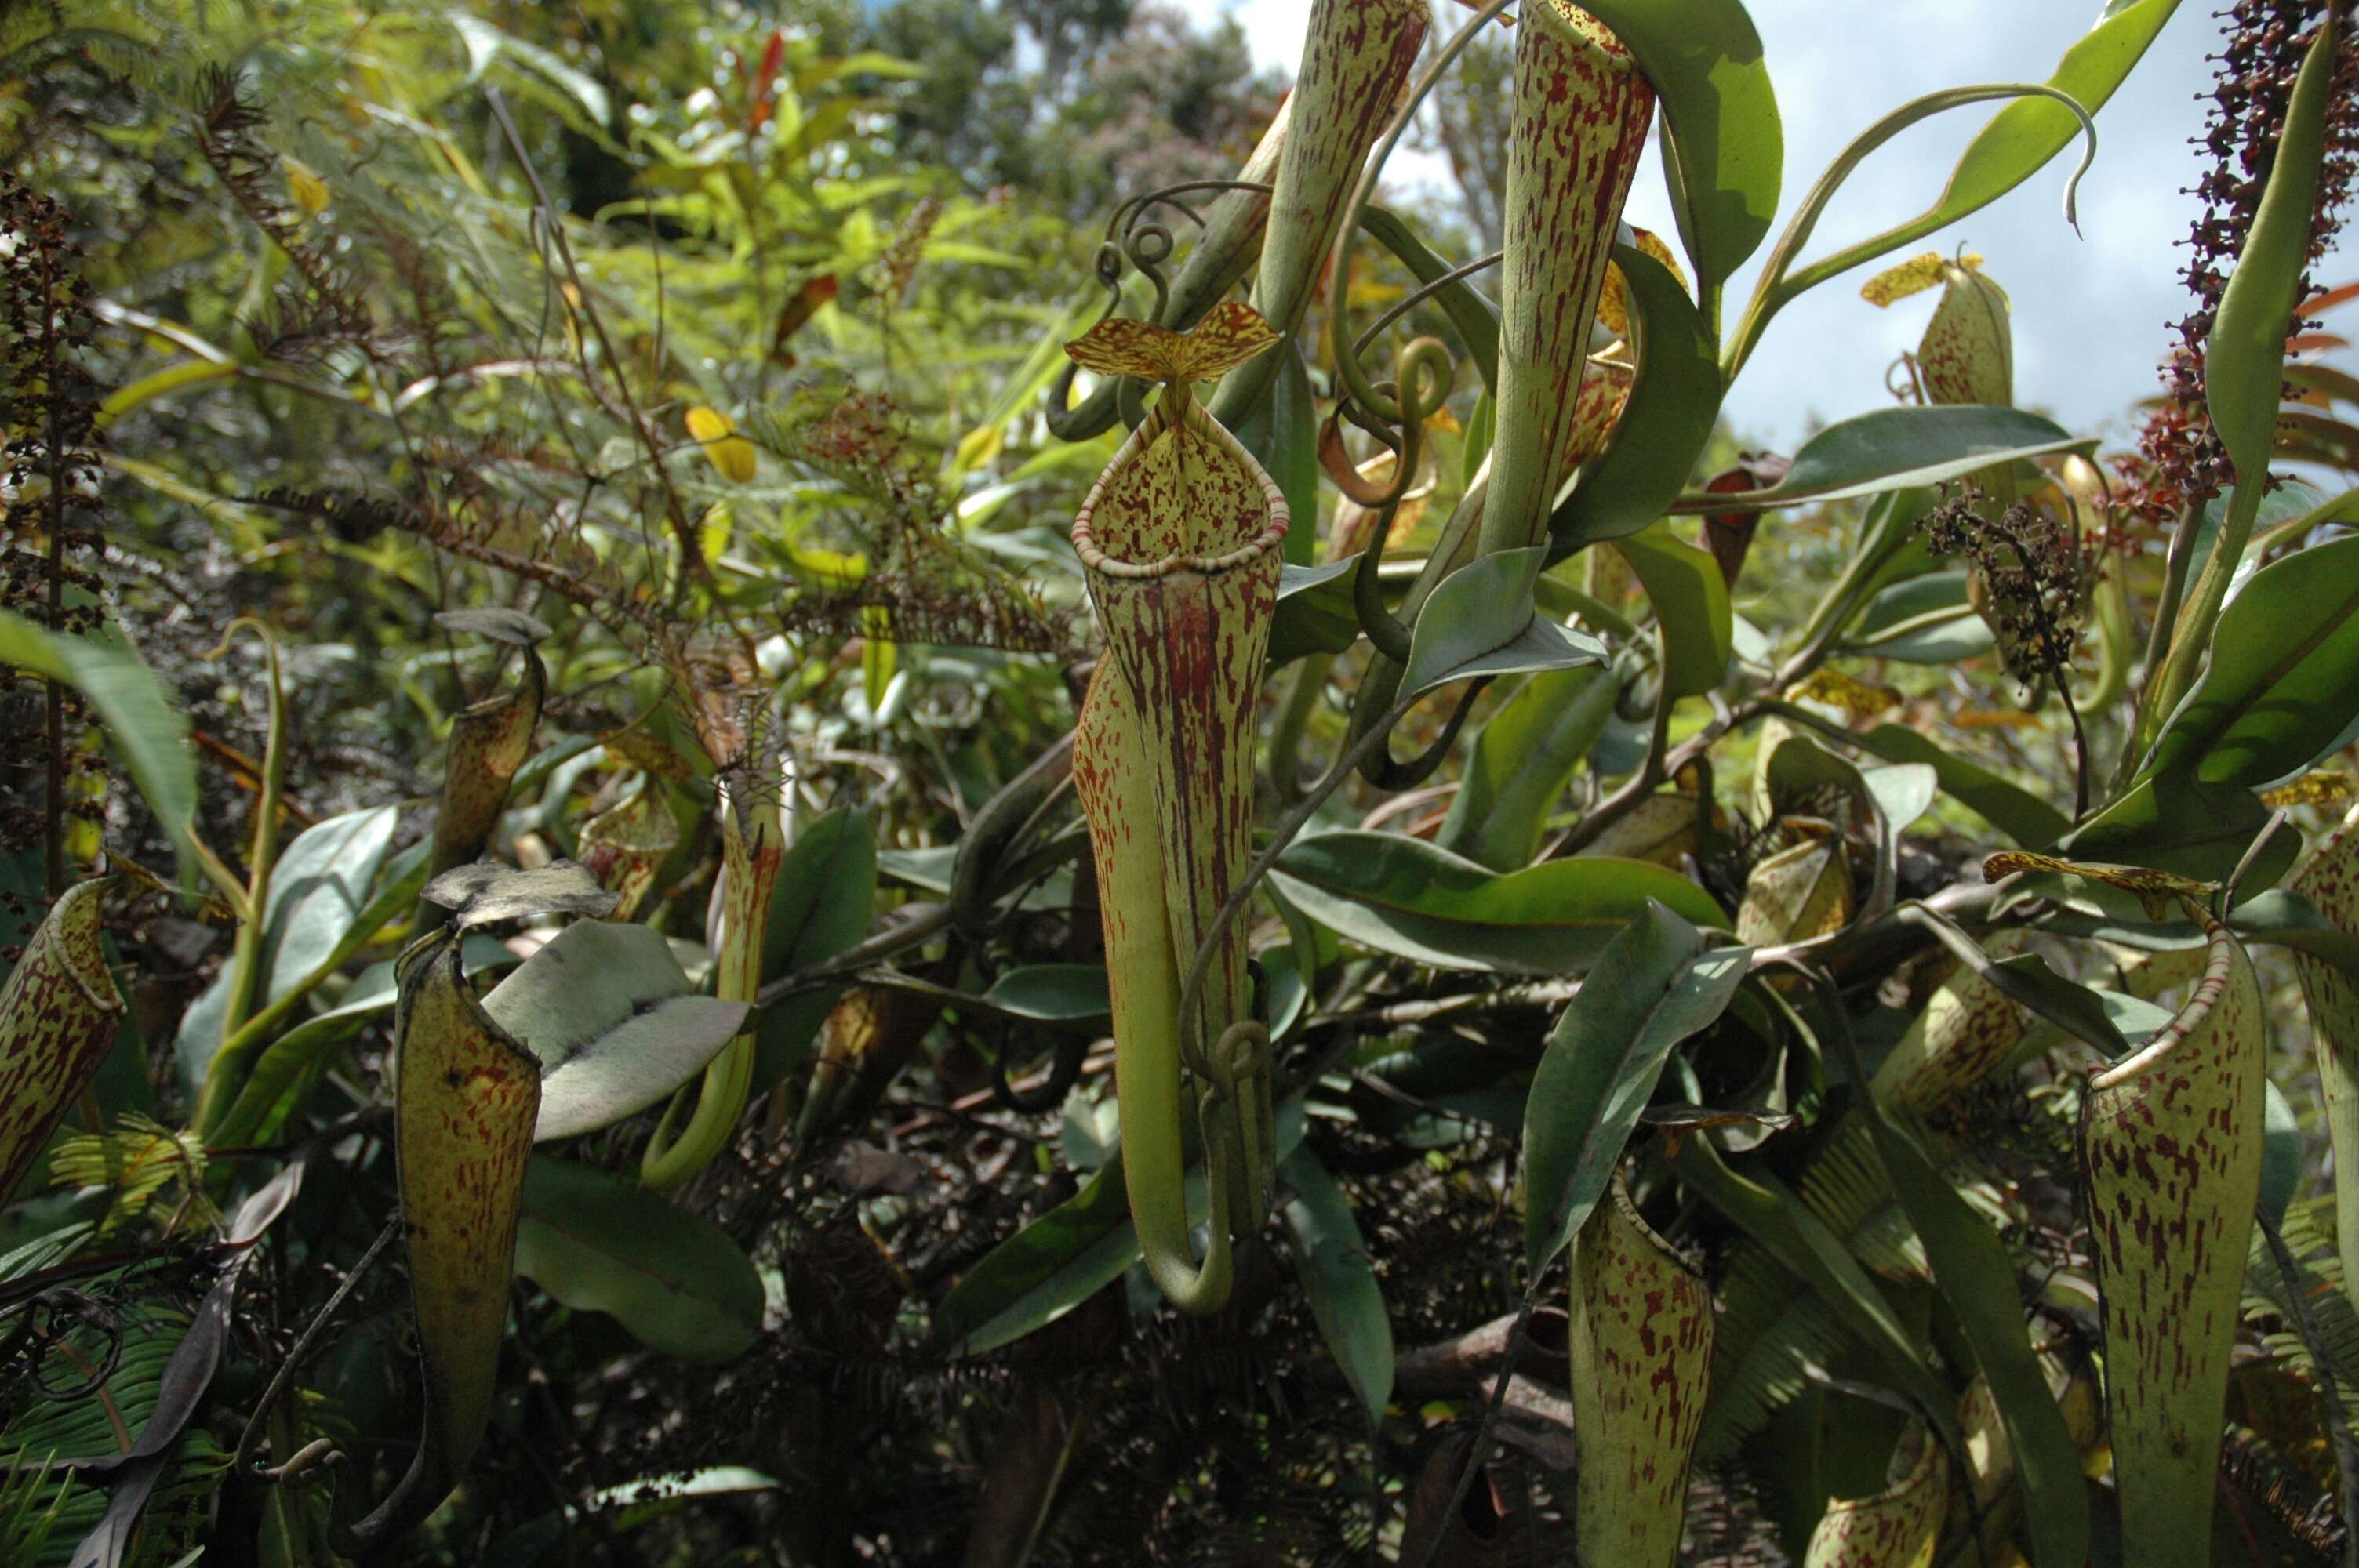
(675, 511)
(244, 1462)
(1482, 1430)
(935, 919)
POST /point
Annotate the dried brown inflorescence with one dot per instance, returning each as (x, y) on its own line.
(2265, 42)
(48, 421)
(2034, 573)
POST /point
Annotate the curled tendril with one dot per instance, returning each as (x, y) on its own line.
(1149, 246)
(1131, 212)
(1424, 369)
(1130, 236)
(1424, 292)
(1148, 243)
(1344, 347)
(1064, 1072)
(1383, 771)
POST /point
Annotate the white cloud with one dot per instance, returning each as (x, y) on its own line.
(2092, 314)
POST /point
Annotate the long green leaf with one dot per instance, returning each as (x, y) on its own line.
(1333, 1263)
(282, 1074)
(606, 1010)
(1768, 1211)
(1724, 148)
(1314, 614)
(2282, 684)
(318, 888)
(1664, 424)
(1065, 1257)
(1519, 763)
(1480, 622)
(825, 893)
(1044, 1271)
(601, 1242)
(2006, 805)
(2176, 823)
(1655, 984)
(2243, 360)
(1403, 896)
(1894, 448)
(138, 717)
(1293, 456)
(1977, 1277)
(1690, 595)
(2021, 137)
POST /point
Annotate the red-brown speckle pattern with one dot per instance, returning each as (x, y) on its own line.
(1181, 537)
(1967, 354)
(1581, 114)
(2171, 1149)
(58, 1014)
(1231, 333)
(754, 846)
(1966, 1033)
(625, 844)
(1897, 1528)
(1641, 1351)
(488, 743)
(1357, 57)
(466, 1097)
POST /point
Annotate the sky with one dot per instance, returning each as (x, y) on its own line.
(2091, 310)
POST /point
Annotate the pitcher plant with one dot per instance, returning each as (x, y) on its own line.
(1180, 538)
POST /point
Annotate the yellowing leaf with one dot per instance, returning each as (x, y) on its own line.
(1857, 698)
(980, 445)
(829, 569)
(2321, 786)
(730, 453)
(135, 1161)
(1613, 302)
(1914, 276)
(712, 538)
(310, 191)
(1231, 333)
(2156, 890)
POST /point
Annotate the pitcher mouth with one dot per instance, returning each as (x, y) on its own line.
(1196, 421)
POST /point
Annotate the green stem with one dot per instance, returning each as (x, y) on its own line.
(2158, 635)
(1885, 536)
(247, 959)
(2191, 638)
(753, 843)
